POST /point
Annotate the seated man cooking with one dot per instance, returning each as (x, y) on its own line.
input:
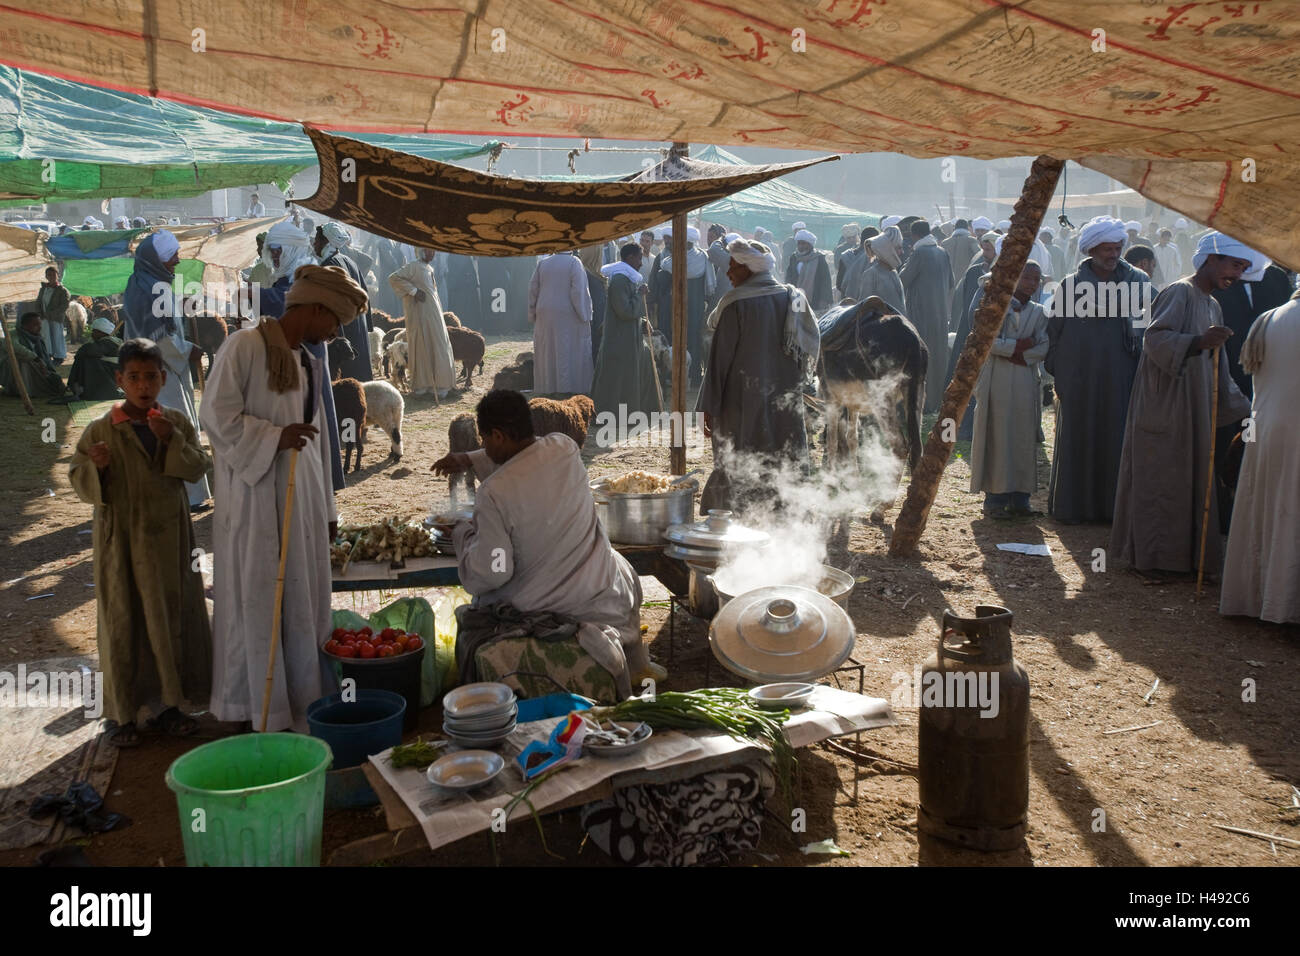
(534, 543)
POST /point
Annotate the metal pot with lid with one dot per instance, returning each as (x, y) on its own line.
(703, 546)
(781, 633)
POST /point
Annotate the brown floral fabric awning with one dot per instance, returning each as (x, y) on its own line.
(453, 209)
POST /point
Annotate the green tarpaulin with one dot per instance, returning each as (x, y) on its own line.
(108, 276)
(62, 141)
(777, 205)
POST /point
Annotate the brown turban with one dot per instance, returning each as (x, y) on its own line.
(329, 286)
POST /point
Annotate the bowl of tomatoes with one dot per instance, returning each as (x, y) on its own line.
(366, 644)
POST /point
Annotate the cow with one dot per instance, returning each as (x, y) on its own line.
(872, 371)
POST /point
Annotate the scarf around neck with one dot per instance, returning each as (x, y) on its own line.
(801, 339)
(281, 366)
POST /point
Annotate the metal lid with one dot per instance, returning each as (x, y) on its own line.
(717, 531)
(781, 633)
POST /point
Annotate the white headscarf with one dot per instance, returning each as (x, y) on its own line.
(1132, 226)
(803, 235)
(889, 246)
(1216, 243)
(337, 239)
(752, 254)
(1004, 225)
(729, 238)
(982, 222)
(692, 234)
(890, 221)
(1180, 223)
(295, 249)
(1100, 229)
(799, 225)
(166, 245)
(997, 251)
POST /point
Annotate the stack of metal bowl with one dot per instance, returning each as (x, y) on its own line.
(479, 715)
(704, 546)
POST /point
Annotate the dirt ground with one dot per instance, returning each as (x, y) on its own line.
(1093, 643)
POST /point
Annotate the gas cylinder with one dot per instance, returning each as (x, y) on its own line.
(974, 734)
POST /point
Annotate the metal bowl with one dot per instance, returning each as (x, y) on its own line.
(786, 696)
(465, 770)
(643, 519)
(482, 699)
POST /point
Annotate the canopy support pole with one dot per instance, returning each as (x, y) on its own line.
(18, 372)
(1025, 223)
(677, 455)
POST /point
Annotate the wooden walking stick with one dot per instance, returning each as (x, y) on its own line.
(16, 369)
(1209, 481)
(279, 588)
(654, 367)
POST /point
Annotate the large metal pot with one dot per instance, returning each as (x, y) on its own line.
(834, 583)
(703, 596)
(643, 519)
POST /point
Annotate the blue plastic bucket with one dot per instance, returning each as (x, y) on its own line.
(355, 729)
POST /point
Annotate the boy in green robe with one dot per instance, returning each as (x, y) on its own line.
(155, 645)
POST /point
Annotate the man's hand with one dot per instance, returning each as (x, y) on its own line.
(419, 295)
(99, 455)
(1214, 336)
(161, 427)
(296, 435)
(708, 425)
(1025, 344)
(451, 464)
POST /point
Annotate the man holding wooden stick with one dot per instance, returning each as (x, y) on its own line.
(261, 402)
(1160, 501)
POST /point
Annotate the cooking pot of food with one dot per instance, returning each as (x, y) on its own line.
(703, 596)
(638, 508)
(832, 582)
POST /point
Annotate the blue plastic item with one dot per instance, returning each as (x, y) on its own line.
(356, 729)
(552, 705)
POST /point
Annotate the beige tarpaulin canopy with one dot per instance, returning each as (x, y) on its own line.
(1194, 104)
(23, 261)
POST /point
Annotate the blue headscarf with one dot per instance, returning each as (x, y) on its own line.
(139, 298)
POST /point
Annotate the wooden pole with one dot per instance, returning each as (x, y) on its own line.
(677, 456)
(1028, 216)
(15, 370)
(1209, 481)
(279, 589)
(654, 367)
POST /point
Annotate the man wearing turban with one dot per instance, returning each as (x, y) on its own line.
(927, 286)
(765, 342)
(263, 401)
(333, 245)
(1095, 331)
(1160, 495)
(808, 270)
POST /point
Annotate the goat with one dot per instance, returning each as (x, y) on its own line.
(384, 407)
(395, 359)
(376, 339)
(467, 347)
(339, 350)
(350, 411)
(76, 316)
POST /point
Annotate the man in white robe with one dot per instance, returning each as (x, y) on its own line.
(1261, 576)
(1169, 261)
(534, 542)
(428, 347)
(261, 401)
(559, 308)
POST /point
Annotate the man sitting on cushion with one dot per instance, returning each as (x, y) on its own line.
(534, 542)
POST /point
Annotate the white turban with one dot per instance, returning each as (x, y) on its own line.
(102, 324)
(692, 234)
(337, 239)
(890, 221)
(997, 251)
(121, 222)
(166, 245)
(752, 254)
(799, 225)
(293, 245)
(1133, 226)
(803, 235)
(1100, 229)
(1216, 243)
(1180, 223)
(888, 246)
(982, 222)
(729, 238)
(1004, 225)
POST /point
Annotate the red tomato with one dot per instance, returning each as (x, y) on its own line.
(347, 650)
(388, 634)
(413, 643)
(339, 633)
(386, 650)
(332, 646)
(367, 651)
(367, 631)
(399, 644)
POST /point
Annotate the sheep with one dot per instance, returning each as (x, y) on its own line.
(467, 347)
(376, 341)
(339, 350)
(571, 417)
(517, 376)
(76, 317)
(381, 320)
(384, 408)
(462, 436)
(395, 359)
(350, 411)
(451, 320)
(391, 336)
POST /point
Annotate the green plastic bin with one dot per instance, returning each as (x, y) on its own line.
(252, 800)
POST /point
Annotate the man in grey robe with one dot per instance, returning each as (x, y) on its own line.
(927, 286)
(961, 247)
(880, 276)
(1096, 338)
(765, 341)
(1160, 496)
